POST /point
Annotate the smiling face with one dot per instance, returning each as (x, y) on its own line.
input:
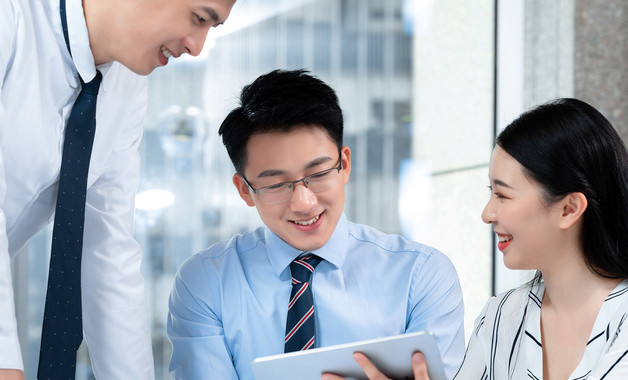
(529, 231)
(154, 30)
(307, 220)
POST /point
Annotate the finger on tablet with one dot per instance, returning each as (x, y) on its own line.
(369, 368)
(331, 376)
(419, 368)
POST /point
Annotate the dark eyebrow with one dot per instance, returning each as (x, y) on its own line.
(212, 14)
(274, 172)
(318, 161)
(498, 182)
(270, 173)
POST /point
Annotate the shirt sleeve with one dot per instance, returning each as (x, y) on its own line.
(115, 312)
(436, 305)
(10, 354)
(195, 329)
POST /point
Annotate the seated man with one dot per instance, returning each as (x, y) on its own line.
(309, 277)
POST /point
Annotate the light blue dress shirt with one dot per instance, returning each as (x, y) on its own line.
(229, 303)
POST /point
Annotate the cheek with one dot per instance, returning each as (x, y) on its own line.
(516, 218)
(270, 213)
(531, 227)
(332, 200)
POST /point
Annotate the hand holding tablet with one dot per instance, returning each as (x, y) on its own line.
(419, 368)
(392, 356)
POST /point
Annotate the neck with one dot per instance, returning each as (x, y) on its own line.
(573, 285)
(100, 27)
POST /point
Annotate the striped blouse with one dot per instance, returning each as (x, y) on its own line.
(506, 341)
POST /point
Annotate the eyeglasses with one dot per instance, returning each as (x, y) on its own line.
(282, 192)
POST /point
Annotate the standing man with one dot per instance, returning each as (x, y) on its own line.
(309, 277)
(80, 63)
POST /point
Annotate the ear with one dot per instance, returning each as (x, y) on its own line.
(243, 189)
(345, 156)
(573, 206)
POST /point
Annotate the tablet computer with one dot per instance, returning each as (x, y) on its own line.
(391, 355)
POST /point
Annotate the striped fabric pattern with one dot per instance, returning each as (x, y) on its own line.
(506, 342)
(300, 325)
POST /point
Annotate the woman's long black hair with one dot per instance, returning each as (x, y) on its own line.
(568, 146)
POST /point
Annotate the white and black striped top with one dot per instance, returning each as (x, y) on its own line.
(506, 341)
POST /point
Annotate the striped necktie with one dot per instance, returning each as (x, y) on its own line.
(300, 324)
(62, 330)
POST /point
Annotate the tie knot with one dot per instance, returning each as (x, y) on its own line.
(303, 266)
(92, 86)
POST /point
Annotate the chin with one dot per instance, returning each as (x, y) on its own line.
(138, 69)
(143, 71)
(516, 266)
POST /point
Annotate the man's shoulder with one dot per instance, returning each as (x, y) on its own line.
(364, 234)
(222, 257)
(236, 245)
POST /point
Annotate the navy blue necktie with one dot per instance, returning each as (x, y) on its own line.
(62, 330)
(300, 326)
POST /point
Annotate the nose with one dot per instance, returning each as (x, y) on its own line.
(194, 42)
(303, 199)
(488, 214)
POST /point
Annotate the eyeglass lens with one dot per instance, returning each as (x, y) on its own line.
(282, 192)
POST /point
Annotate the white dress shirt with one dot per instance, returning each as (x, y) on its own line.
(506, 342)
(39, 82)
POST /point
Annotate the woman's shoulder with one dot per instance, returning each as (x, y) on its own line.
(509, 305)
(516, 297)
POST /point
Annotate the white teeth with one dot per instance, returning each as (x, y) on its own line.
(166, 52)
(307, 222)
(504, 239)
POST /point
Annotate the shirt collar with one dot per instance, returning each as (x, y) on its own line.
(281, 254)
(82, 58)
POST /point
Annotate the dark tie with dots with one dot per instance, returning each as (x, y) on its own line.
(62, 330)
(300, 326)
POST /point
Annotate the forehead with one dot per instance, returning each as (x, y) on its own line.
(501, 160)
(288, 150)
(506, 169)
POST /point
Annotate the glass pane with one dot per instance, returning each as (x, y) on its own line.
(415, 80)
(554, 49)
(417, 99)
(415, 83)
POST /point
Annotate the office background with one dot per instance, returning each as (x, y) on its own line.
(424, 85)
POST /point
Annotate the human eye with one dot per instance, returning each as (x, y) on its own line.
(497, 194)
(276, 187)
(320, 175)
(199, 20)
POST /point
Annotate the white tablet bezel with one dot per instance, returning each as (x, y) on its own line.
(392, 355)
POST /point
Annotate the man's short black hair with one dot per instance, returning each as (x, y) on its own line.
(279, 102)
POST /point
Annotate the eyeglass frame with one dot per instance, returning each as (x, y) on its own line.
(293, 183)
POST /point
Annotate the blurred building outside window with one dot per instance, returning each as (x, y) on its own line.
(424, 85)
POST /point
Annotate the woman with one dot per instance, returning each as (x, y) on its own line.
(559, 204)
